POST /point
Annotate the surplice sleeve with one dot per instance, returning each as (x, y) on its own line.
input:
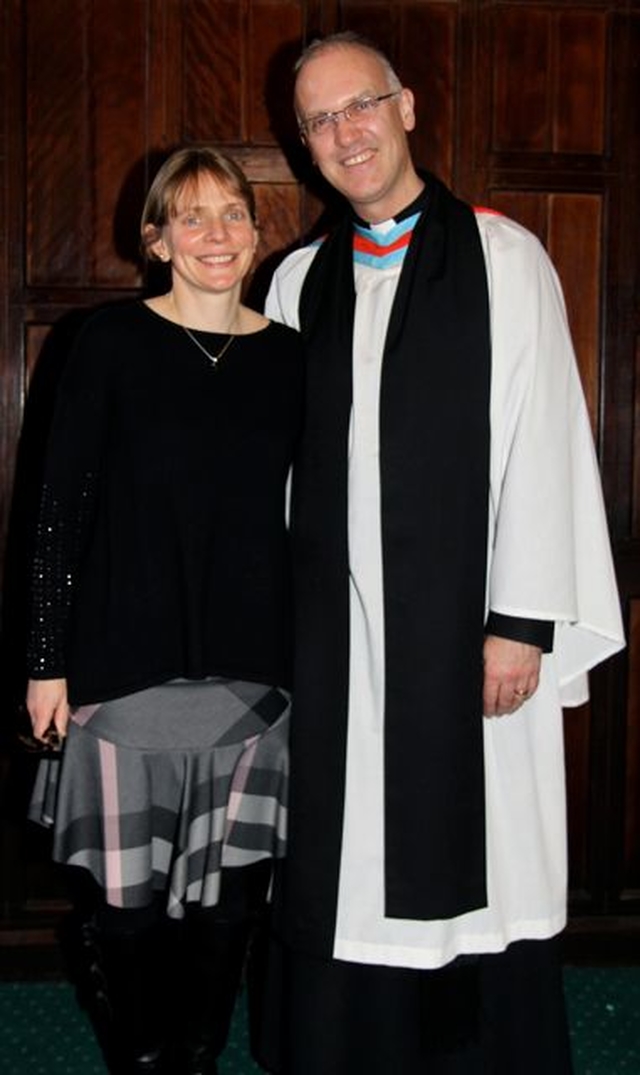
(550, 556)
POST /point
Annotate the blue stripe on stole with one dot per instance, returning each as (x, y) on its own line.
(378, 255)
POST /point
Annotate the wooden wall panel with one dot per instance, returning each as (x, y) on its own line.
(83, 141)
(278, 208)
(118, 125)
(164, 63)
(35, 336)
(579, 83)
(549, 73)
(377, 19)
(575, 245)
(228, 50)
(214, 69)
(274, 34)
(59, 214)
(521, 87)
(577, 734)
(529, 208)
(622, 268)
(12, 200)
(635, 490)
(428, 48)
(631, 872)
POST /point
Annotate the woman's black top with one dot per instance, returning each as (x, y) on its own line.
(161, 549)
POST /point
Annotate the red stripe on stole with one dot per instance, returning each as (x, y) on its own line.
(367, 246)
(486, 209)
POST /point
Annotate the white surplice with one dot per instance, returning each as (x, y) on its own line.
(549, 559)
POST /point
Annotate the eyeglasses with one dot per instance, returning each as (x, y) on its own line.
(357, 110)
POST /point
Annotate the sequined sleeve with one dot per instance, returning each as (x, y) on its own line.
(58, 541)
(67, 503)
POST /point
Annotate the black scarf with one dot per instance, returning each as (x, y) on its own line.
(434, 473)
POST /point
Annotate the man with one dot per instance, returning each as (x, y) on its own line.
(451, 559)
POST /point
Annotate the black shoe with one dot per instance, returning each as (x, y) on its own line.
(199, 1062)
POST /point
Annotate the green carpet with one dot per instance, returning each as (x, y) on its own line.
(44, 1032)
(604, 1015)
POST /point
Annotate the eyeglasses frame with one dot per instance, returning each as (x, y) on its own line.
(333, 117)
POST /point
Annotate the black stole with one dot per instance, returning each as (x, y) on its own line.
(434, 472)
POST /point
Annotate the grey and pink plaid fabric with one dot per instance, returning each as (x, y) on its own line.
(159, 790)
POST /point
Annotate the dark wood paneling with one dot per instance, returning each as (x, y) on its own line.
(521, 84)
(12, 252)
(278, 216)
(427, 49)
(529, 208)
(622, 267)
(635, 485)
(58, 198)
(575, 244)
(577, 729)
(549, 78)
(274, 33)
(118, 126)
(214, 108)
(580, 71)
(631, 878)
(35, 336)
(377, 19)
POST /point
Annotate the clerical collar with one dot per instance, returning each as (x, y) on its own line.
(416, 206)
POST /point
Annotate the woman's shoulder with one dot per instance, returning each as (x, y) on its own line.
(285, 341)
(114, 317)
(103, 342)
(110, 325)
(285, 334)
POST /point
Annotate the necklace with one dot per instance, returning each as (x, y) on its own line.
(213, 359)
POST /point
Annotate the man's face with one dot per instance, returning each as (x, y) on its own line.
(365, 157)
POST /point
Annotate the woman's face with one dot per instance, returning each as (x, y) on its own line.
(210, 237)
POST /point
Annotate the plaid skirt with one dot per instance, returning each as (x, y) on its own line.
(160, 790)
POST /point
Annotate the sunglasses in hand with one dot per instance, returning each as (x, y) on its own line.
(51, 742)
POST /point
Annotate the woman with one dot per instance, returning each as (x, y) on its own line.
(161, 635)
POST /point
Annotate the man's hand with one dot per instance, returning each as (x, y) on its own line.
(511, 673)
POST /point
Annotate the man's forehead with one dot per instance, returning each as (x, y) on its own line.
(339, 75)
(348, 57)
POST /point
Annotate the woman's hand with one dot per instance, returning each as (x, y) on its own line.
(48, 707)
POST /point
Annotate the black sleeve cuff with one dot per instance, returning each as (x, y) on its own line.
(534, 632)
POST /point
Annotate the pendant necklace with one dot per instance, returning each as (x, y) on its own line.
(213, 359)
